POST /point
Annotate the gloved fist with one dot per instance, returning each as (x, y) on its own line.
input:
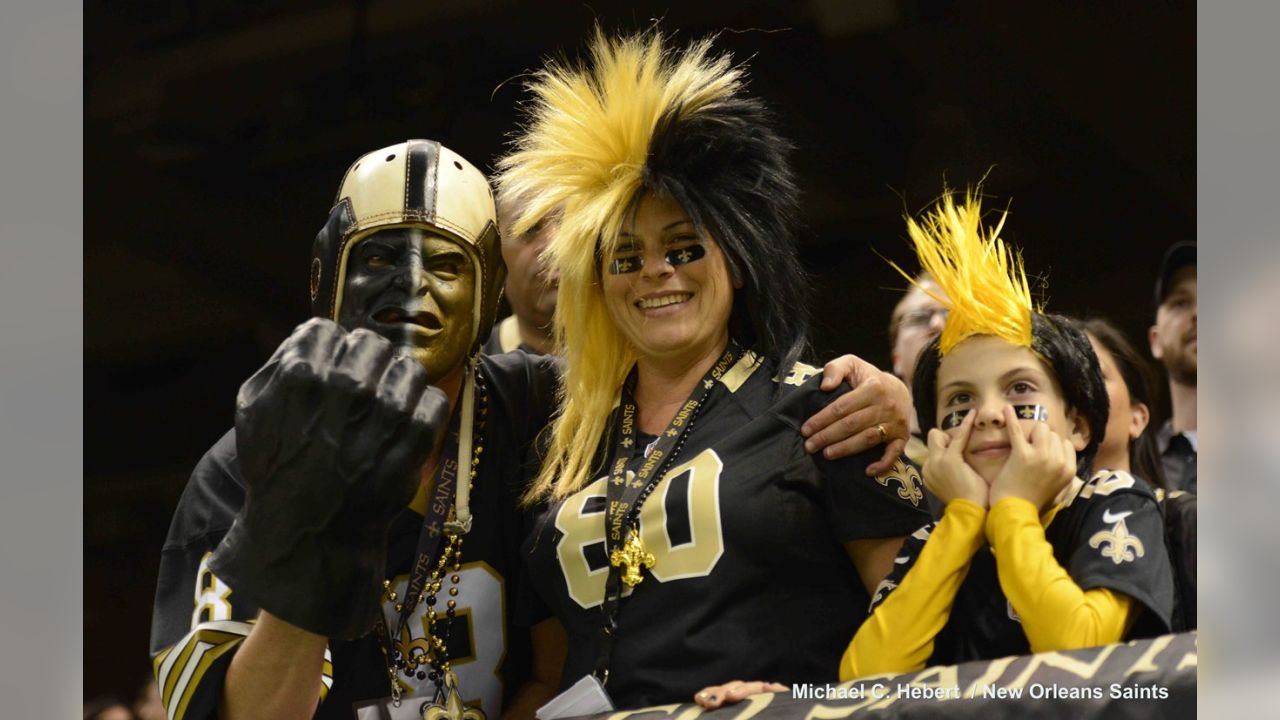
(332, 434)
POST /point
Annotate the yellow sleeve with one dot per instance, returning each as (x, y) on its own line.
(1056, 614)
(898, 637)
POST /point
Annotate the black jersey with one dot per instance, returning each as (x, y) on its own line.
(199, 621)
(751, 578)
(1108, 535)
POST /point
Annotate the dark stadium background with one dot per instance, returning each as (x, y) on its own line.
(215, 134)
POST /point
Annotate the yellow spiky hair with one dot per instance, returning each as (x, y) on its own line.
(583, 153)
(983, 279)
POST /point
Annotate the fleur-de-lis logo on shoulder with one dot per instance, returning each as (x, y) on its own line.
(1117, 543)
(909, 479)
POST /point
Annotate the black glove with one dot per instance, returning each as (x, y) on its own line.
(332, 434)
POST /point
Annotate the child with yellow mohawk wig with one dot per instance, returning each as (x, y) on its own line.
(687, 537)
(1026, 557)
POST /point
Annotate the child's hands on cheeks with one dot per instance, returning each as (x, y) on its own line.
(946, 473)
(1041, 463)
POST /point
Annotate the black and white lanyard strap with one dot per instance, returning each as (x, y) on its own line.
(437, 512)
(632, 478)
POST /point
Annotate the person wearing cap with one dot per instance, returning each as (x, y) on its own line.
(1173, 344)
(531, 285)
(351, 546)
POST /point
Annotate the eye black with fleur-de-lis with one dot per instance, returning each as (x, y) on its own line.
(677, 256)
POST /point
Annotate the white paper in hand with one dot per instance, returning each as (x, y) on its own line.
(585, 697)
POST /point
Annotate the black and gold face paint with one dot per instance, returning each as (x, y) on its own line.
(1031, 412)
(676, 256)
(953, 419)
(1024, 412)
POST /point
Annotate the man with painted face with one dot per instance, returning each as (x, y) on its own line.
(333, 508)
(332, 548)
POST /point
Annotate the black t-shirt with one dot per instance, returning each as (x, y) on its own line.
(198, 621)
(1109, 535)
(752, 579)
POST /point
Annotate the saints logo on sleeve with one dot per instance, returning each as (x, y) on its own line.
(1111, 534)
(907, 479)
(1117, 543)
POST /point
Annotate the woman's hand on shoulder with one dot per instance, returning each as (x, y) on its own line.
(734, 691)
(875, 411)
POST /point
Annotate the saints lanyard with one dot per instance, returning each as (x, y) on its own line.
(632, 479)
(433, 521)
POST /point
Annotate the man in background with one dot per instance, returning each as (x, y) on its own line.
(530, 288)
(917, 319)
(1173, 344)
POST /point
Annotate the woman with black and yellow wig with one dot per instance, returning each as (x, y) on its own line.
(685, 536)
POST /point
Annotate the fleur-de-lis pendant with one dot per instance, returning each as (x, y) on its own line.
(452, 707)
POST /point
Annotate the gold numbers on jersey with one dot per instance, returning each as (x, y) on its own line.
(800, 372)
(210, 595)
(695, 558)
(480, 602)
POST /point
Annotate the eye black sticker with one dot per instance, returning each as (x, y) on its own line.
(1024, 412)
(675, 257)
(953, 419)
(624, 265)
(687, 254)
(1031, 412)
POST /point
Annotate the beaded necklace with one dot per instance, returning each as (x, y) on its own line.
(398, 656)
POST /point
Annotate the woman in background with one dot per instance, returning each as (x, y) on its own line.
(1127, 445)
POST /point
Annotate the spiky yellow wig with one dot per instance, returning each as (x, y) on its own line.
(642, 117)
(988, 294)
(983, 279)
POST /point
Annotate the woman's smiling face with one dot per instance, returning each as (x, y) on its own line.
(667, 288)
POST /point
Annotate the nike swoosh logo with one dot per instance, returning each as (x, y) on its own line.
(1108, 518)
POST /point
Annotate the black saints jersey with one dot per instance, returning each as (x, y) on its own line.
(1108, 535)
(199, 621)
(751, 578)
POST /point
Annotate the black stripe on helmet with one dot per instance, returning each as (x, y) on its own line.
(420, 180)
